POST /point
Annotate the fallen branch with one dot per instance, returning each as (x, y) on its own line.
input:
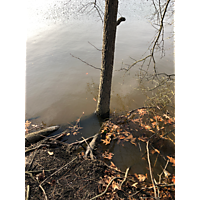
(91, 146)
(38, 135)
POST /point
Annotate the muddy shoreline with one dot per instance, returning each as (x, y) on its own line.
(58, 170)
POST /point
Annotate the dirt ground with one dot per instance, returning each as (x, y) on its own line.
(56, 170)
(66, 175)
(78, 180)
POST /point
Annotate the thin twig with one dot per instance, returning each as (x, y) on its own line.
(94, 46)
(82, 141)
(37, 147)
(43, 191)
(27, 192)
(37, 171)
(154, 42)
(125, 176)
(85, 62)
(163, 172)
(150, 171)
(85, 141)
(32, 159)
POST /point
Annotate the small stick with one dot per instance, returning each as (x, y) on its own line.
(85, 141)
(163, 171)
(139, 146)
(94, 46)
(150, 171)
(85, 62)
(43, 192)
(37, 147)
(125, 176)
(32, 159)
(27, 193)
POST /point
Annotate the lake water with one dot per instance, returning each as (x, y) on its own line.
(59, 87)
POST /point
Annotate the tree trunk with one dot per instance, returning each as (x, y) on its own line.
(109, 33)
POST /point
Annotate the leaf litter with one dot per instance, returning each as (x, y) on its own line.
(85, 179)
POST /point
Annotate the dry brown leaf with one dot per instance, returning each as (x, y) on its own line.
(75, 133)
(172, 160)
(141, 177)
(158, 118)
(142, 112)
(147, 127)
(82, 153)
(173, 179)
(113, 165)
(106, 141)
(116, 186)
(107, 155)
(132, 140)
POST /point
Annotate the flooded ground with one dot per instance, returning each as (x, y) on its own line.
(59, 87)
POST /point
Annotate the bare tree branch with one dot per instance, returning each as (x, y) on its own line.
(161, 13)
(94, 6)
(94, 46)
(85, 62)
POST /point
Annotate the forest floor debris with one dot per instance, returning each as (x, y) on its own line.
(57, 170)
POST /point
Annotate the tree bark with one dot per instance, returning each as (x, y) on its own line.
(108, 48)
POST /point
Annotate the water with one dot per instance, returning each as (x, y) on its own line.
(59, 87)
